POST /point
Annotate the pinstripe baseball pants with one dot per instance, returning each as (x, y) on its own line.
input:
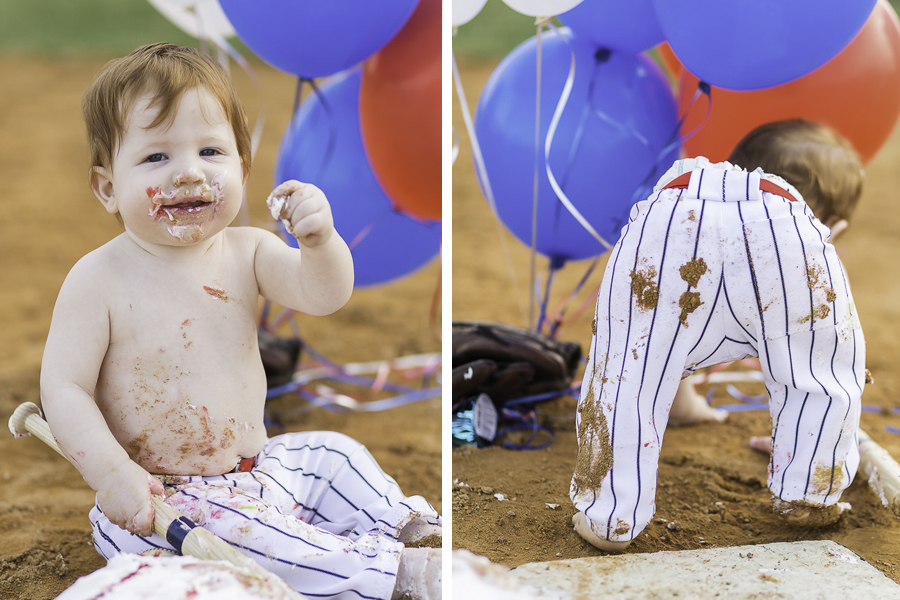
(317, 510)
(714, 273)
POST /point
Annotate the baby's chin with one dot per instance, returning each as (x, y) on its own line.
(190, 233)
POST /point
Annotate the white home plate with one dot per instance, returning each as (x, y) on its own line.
(133, 577)
(823, 570)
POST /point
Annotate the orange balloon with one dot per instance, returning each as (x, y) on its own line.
(400, 114)
(668, 61)
(857, 93)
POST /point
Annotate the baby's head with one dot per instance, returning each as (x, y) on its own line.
(166, 71)
(822, 165)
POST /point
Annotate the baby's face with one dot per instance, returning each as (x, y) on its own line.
(181, 182)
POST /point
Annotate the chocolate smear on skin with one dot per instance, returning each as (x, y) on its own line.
(216, 293)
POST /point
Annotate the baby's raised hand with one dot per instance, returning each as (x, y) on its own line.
(124, 498)
(304, 210)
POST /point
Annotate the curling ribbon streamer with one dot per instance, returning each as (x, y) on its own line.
(478, 158)
(551, 131)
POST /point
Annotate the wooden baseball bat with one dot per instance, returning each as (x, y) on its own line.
(882, 470)
(184, 535)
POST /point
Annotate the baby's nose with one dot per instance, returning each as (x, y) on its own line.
(192, 175)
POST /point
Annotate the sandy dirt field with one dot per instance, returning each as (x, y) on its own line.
(50, 219)
(712, 486)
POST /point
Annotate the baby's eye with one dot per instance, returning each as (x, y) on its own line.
(209, 152)
(156, 158)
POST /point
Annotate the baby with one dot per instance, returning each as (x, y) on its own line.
(152, 380)
(720, 264)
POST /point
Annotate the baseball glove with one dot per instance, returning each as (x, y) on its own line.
(509, 363)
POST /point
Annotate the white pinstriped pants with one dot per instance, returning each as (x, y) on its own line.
(317, 510)
(716, 273)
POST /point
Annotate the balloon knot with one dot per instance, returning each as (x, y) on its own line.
(704, 87)
(602, 55)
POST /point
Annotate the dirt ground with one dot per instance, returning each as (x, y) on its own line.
(50, 219)
(712, 486)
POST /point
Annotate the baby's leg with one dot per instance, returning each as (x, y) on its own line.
(656, 298)
(689, 407)
(329, 480)
(314, 562)
(815, 382)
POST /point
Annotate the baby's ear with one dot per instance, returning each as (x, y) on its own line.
(101, 183)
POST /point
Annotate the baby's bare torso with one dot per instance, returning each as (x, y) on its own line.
(182, 385)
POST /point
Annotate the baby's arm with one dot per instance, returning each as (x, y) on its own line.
(319, 279)
(76, 345)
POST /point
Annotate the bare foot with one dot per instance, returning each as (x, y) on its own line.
(761, 444)
(689, 407)
(583, 527)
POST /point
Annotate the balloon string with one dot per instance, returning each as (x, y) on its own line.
(454, 152)
(359, 237)
(534, 200)
(551, 132)
(703, 88)
(332, 129)
(543, 307)
(485, 183)
(435, 303)
(674, 141)
(591, 300)
(561, 312)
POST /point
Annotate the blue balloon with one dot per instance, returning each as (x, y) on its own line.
(623, 25)
(754, 44)
(619, 119)
(324, 146)
(315, 38)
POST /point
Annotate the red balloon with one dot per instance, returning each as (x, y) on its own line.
(857, 93)
(400, 114)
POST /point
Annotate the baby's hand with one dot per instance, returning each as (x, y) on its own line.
(304, 210)
(124, 498)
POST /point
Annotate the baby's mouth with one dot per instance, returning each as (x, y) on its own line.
(188, 208)
(186, 205)
(170, 209)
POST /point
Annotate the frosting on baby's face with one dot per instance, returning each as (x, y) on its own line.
(180, 182)
(190, 207)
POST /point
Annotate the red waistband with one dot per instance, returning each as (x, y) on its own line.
(245, 465)
(683, 180)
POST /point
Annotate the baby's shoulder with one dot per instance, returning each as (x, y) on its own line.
(99, 264)
(246, 235)
(246, 241)
(94, 275)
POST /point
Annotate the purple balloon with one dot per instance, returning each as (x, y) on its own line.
(323, 145)
(750, 45)
(623, 25)
(616, 136)
(315, 38)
